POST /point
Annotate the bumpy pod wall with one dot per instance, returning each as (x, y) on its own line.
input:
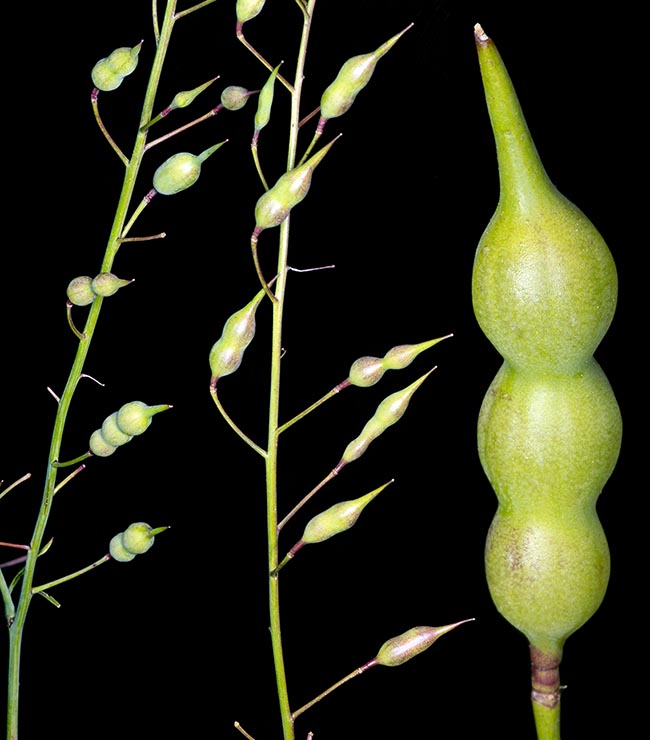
(544, 290)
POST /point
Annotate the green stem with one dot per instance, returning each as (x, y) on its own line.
(231, 423)
(16, 629)
(345, 679)
(70, 576)
(274, 400)
(547, 721)
(314, 406)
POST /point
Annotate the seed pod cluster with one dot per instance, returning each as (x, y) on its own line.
(181, 171)
(238, 332)
(83, 290)
(549, 432)
(110, 71)
(136, 539)
(121, 426)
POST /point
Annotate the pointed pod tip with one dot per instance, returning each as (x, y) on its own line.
(479, 35)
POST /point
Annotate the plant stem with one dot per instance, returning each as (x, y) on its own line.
(274, 400)
(16, 629)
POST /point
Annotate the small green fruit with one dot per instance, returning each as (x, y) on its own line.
(137, 538)
(80, 292)
(135, 417)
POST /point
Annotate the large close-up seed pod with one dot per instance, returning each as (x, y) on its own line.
(544, 291)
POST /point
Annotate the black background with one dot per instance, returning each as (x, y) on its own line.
(175, 644)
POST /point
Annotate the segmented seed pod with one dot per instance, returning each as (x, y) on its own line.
(234, 97)
(273, 207)
(135, 417)
(118, 551)
(398, 650)
(110, 71)
(238, 332)
(180, 171)
(80, 292)
(389, 411)
(353, 76)
(99, 446)
(106, 284)
(367, 371)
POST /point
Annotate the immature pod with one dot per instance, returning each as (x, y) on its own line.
(181, 171)
(238, 332)
(273, 207)
(353, 76)
(398, 650)
(367, 371)
(136, 539)
(110, 71)
(265, 102)
(389, 411)
(338, 518)
(544, 290)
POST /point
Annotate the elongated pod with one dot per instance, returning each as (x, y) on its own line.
(544, 291)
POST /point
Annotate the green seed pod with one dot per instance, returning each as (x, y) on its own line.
(389, 411)
(109, 72)
(247, 9)
(353, 76)
(274, 206)
(544, 290)
(367, 371)
(112, 434)
(265, 101)
(337, 518)
(137, 538)
(80, 292)
(106, 284)
(238, 331)
(104, 77)
(398, 650)
(234, 97)
(118, 551)
(124, 60)
(180, 171)
(135, 417)
(99, 446)
(187, 97)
